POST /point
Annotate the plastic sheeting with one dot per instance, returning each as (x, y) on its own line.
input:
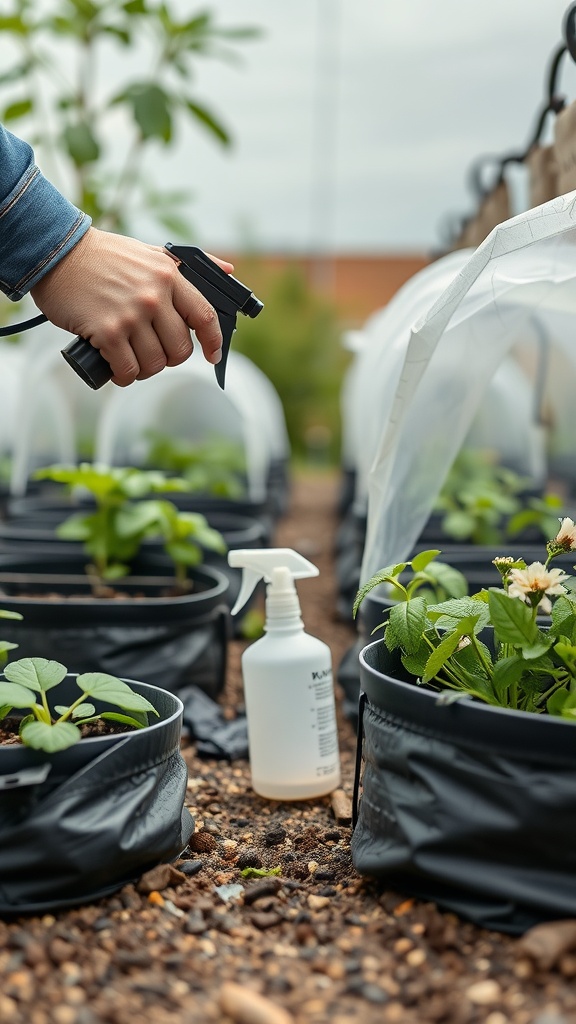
(79, 824)
(518, 288)
(187, 403)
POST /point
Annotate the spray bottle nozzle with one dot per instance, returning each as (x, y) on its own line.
(264, 564)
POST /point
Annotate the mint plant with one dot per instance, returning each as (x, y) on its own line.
(527, 667)
(113, 533)
(26, 685)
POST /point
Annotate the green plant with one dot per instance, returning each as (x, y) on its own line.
(526, 667)
(217, 466)
(25, 687)
(98, 83)
(481, 502)
(113, 533)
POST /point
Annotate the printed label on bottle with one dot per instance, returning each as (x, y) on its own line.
(324, 720)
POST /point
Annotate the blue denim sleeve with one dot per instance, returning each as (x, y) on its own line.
(38, 226)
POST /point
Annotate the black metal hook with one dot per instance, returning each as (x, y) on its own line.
(569, 30)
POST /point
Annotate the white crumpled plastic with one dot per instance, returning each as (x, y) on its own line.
(518, 289)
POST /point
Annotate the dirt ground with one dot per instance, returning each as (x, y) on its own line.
(198, 942)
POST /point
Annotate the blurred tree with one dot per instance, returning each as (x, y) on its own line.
(296, 343)
(62, 99)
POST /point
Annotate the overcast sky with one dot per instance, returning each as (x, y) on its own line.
(355, 121)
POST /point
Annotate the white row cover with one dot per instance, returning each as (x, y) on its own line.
(501, 425)
(48, 411)
(517, 289)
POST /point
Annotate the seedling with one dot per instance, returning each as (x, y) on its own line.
(25, 687)
(112, 535)
(215, 467)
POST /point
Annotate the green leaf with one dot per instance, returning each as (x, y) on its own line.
(209, 120)
(5, 646)
(113, 691)
(423, 558)
(115, 716)
(447, 613)
(507, 672)
(16, 696)
(17, 109)
(4, 614)
(151, 109)
(5, 710)
(513, 622)
(387, 575)
(561, 701)
(415, 663)
(50, 738)
(183, 553)
(451, 580)
(36, 674)
(446, 649)
(83, 711)
(406, 624)
(81, 144)
(76, 527)
(135, 519)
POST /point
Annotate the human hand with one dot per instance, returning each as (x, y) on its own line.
(130, 301)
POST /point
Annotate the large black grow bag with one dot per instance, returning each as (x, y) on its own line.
(182, 640)
(79, 824)
(465, 804)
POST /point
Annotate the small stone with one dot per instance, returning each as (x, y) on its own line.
(275, 836)
(191, 867)
(416, 957)
(341, 807)
(318, 902)
(265, 919)
(244, 1006)
(60, 951)
(160, 878)
(195, 923)
(249, 858)
(483, 993)
(229, 847)
(263, 887)
(156, 898)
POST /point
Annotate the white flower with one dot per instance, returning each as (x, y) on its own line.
(566, 536)
(536, 580)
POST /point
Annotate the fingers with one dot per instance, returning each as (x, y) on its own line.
(200, 316)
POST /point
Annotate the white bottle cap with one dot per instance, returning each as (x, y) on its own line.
(263, 564)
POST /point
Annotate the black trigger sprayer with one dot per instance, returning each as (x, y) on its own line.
(227, 295)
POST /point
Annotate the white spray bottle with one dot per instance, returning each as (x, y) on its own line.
(288, 686)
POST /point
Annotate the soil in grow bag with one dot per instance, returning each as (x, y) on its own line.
(464, 804)
(140, 632)
(79, 824)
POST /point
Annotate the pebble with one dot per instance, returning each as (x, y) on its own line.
(341, 807)
(483, 993)
(244, 1006)
(275, 836)
(249, 858)
(318, 902)
(265, 919)
(263, 887)
(191, 867)
(160, 878)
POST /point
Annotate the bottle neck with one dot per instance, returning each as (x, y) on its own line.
(283, 613)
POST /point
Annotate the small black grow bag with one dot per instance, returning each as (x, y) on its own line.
(38, 527)
(465, 804)
(79, 824)
(181, 640)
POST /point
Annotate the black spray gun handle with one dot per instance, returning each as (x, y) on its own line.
(227, 295)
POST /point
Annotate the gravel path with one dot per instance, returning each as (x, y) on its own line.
(199, 942)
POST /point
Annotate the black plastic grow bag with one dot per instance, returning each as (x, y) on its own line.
(181, 640)
(79, 824)
(468, 805)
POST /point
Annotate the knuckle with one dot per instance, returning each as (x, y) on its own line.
(153, 366)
